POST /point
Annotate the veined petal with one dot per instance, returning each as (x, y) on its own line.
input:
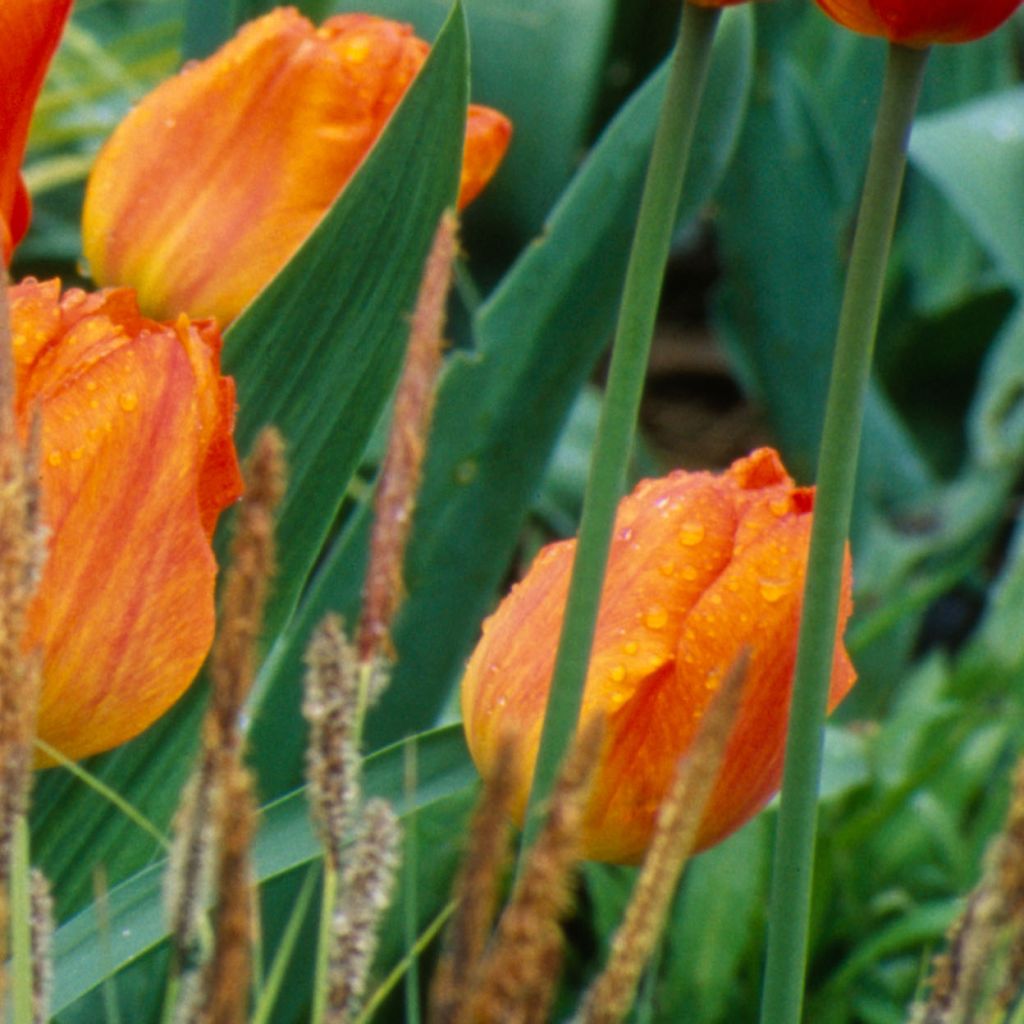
(212, 182)
(135, 440)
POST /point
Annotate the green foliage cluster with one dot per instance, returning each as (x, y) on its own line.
(918, 761)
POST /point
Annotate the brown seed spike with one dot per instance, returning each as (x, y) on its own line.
(516, 981)
(612, 994)
(400, 472)
(245, 589)
(476, 892)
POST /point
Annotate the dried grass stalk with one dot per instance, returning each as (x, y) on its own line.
(476, 891)
(516, 981)
(400, 472)
(612, 994)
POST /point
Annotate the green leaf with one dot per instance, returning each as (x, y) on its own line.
(88, 949)
(975, 156)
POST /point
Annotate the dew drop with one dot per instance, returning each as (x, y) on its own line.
(779, 507)
(691, 534)
(626, 533)
(656, 618)
(55, 458)
(773, 590)
(76, 454)
(618, 674)
(631, 647)
(128, 400)
(667, 568)
(689, 573)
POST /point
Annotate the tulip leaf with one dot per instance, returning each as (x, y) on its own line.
(499, 414)
(89, 949)
(975, 155)
(317, 352)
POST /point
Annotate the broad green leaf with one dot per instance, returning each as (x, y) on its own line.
(316, 354)
(87, 949)
(975, 156)
(500, 412)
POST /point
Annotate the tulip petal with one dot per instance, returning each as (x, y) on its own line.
(30, 30)
(213, 181)
(921, 22)
(131, 412)
(701, 568)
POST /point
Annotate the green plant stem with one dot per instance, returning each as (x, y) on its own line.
(323, 945)
(21, 925)
(616, 430)
(782, 998)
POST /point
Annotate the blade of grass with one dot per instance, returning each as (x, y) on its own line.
(617, 428)
(789, 916)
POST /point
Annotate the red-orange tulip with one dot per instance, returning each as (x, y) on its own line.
(137, 462)
(701, 567)
(207, 188)
(29, 33)
(921, 22)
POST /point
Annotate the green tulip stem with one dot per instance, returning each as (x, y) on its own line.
(837, 465)
(616, 430)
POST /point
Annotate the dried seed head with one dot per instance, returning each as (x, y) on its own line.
(331, 706)
(516, 981)
(366, 887)
(247, 581)
(400, 472)
(42, 947)
(476, 892)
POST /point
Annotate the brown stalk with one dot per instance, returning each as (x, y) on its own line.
(612, 994)
(476, 891)
(982, 972)
(516, 980)
(216, 819)
(331, 706)
(400, 472)
(21, 556)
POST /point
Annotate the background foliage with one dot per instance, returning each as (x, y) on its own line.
(919, 756)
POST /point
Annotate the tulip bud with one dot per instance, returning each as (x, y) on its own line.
(137, 461)
(213, 181)
(701, 567)
(921, 22)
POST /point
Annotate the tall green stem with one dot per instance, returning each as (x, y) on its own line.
(837, 465)
(616, 430)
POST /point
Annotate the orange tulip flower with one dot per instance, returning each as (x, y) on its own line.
(30, 31)
(212, 182)
(701, 567)
(921, 22)
(137, 462)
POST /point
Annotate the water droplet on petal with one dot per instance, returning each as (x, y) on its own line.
(55, 458)
(128, 400)
(689, 573)
(691, 534)
(773, 590)
(626, 533)
(667, 568)
(656, 618)
(618, 674)
(631, 647)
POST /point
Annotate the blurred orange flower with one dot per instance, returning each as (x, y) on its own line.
(212, 182)
(701, 567)
(921, 22)
(30, 30)
(137, 463)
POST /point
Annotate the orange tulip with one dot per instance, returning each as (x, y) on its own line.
(701, 567)
(212, 182)
(921, 22)
(137, 461)
(30, 31)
